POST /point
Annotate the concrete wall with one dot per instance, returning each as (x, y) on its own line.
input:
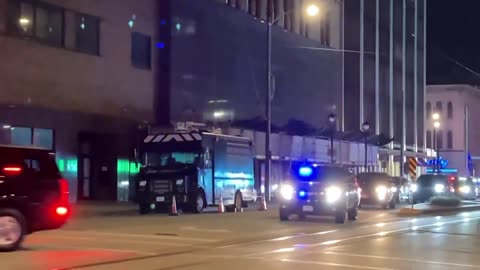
(66, 80)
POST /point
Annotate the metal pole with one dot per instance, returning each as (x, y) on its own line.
(366, 152)
(415, 80)
(404, 74)
(362, 56)
(435, 147)
(377, 67)
(331, 145)
(268, 101)
(390, 86)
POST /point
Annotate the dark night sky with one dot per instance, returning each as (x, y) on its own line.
(453, 35)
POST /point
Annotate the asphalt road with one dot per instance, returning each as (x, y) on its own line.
(379, 240)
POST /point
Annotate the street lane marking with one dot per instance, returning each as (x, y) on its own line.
(335, 264)
(401, 259)
(148, 236)
(195, 229)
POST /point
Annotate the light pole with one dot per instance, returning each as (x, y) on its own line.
(311, 10)
(365, 128)
(332, 118)
(436, 126)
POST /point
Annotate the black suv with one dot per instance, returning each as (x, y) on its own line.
(377, 188)
(33, 194)
(319, 190)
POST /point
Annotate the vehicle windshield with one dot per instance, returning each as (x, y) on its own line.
(430, 179)
(155, 159)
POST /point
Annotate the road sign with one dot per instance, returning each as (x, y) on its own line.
(412, 168)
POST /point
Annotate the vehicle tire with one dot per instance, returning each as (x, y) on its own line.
(200, 203)
(144, 208)
(341, 217)
(284, 215)
(13, 223)
(238, 201)
(391, 205)
(352, 214)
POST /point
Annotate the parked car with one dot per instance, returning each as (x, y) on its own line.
(377, 189)
(430, 185)
(33, 194)
(321, 191)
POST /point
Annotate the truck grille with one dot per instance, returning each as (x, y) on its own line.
(161, 186)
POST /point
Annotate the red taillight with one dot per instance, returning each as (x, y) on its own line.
(12, 170)
(61, 211)
(63, 184)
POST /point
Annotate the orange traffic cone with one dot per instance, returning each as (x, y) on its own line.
(221, 207)
(263, 204)
(173, 211)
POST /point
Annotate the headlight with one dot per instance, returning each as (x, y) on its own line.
(439, 188)
(333, 194)
(381, 192)
(287, 192)
(142, 183)
(465, 189)
(394, 189)
(413, 187)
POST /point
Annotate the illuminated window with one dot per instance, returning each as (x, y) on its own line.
(87, 30)
(43, 138)
(21, 136)
(141, 51)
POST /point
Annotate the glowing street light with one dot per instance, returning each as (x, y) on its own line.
(312, 10)
(436, 116)
(436, 124)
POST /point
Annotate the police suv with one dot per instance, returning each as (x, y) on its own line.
(319, 190)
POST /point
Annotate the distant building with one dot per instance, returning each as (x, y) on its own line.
(457, 137)
(81, 78)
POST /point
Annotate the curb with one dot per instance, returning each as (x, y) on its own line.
(417, 212)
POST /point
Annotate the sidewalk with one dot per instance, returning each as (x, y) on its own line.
(426, 208)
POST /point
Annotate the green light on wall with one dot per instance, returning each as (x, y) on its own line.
(124, 166)
(67, 165)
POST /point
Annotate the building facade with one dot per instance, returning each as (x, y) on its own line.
(456, 139)
(82, 77)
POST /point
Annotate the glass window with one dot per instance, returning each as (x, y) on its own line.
(21, 136)
(49, 24)
(429, 139)
(450, 110)
(439, 139)
(438, 107)
(43, 138)
(429, 109)
(87, 30)
(141, 51)
(449, 139)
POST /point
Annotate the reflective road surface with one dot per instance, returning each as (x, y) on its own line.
(379, 240)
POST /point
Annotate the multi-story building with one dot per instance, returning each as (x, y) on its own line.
(456, 138)
(81, 78)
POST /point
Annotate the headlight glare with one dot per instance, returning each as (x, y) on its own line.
(439, 188)
(333, 194)
(381, 192)
(414, 187)
(287, 192)
(465, 189)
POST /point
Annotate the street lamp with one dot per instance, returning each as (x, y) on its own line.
(436, 126)
(365, 128)
(311, 10)
(332, 118)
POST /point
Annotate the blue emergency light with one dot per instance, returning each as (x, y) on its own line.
(302, 194)
(305, 171)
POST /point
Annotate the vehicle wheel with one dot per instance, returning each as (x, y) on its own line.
(283, 215)
(391, 205)
(353, 214)
(238, 203)
(143, 208)
(200, 203)
(12, 229)
(341, 217)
